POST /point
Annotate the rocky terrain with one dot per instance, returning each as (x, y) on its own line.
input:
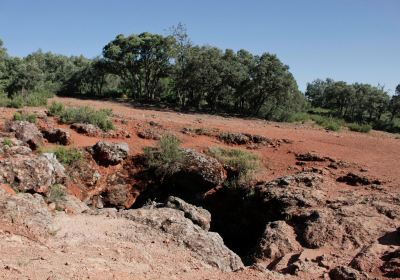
(322, 205)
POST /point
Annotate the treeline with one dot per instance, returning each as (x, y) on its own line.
(356, 103)
(155, 68)
(170, 69)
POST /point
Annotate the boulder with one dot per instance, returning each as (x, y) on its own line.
(31, 172)
(26, 132)
(25, 214)
(57, 135)
(347, 273)
(206, 246)
(149, 133)
(278, 240)
(11, 147)
(197, 215)
(353, 179)
(109, 153)
(87, 129)
(120, 195)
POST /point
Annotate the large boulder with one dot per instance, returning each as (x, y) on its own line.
(197, 215)
(26, 132)
(278, 240)
(57, 135)
(31, 172)
(26, 215)
(109, 153)
(207, 246)
(87, 129)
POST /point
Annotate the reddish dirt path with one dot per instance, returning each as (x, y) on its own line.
(377, 152)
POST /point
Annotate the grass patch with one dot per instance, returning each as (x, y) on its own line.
(364, 128)
(24, 117)
(7, 142)
(328, 123)
(299, 117)
(37, 99)
(69, 115)
(166, 153)
(56, 193)
(65, 156)
(16, 102)
(243, 162)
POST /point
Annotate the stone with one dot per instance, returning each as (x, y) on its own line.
(106, 153)
(57, 135)
(347, 273)
(87, 129)
(26, 132)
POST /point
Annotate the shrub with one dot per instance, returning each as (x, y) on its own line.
(4, 100)
(37, 99)
(364, 128)
(55, 109)
(298, 117)
(167, 152)
(85, 114)
(243, 162)
(65, 156)
(7, 142)
(56, 193)
(24, 117)
(327, 122)
(16, 102)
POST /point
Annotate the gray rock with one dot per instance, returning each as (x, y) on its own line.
(57, 135)
(26, 132)
(347, 273)
(197, 215)
(109, 153)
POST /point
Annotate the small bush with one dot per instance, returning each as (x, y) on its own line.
(327, 122)
(167, 152)
(55, 109)
(7, 142)
(37, 99)
(56, 193)
(24, 117)
(85, 114)
(16, 102)
(243, 162)
(4, 100)
(364, 128)
(65, 156)
(299, 117)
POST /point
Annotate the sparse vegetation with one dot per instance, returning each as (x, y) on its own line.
(23, 116)
(166, 153)
(69, 115)
(56, 193)
(328, 123)
(7, 142)
(243, 162)
(64, 155)
(364, 128)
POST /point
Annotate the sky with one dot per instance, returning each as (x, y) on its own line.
(349, 40)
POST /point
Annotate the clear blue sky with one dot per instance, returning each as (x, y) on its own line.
(350, 40)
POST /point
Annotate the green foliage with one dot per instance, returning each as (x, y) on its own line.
(56, 193)
(64, 155)
(37, 99)
(23, 116)
(7, 142)
(327, 122)
(85, 114)
(299, 117)
(243, 162)
(168, 152)
(16, 102)
(364, 128)
(56, 109)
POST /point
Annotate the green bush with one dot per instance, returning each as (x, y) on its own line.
(16, 102)
(65, 156)
(364, 128)
(7, 142)
(166, 153)
(327, 122)
(4, 100)
(85, 114)
(243, 162)
(55, 109)
(56, 193)
(298, 117)
(37, 99)
(24, 117)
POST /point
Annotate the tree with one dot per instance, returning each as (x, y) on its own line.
(141, 61)
(394, 106)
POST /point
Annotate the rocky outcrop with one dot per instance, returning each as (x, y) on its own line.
(57, 135)
(150, 133)
(197, 215)
(11, 146)
(31, 172)
(25, 214)
(26, 132)
(109, 153)
(87, 129)
(207, 246)
(278, 240)
(353, 179)
(347, 273)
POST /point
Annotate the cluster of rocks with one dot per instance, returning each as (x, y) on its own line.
(253, 141)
